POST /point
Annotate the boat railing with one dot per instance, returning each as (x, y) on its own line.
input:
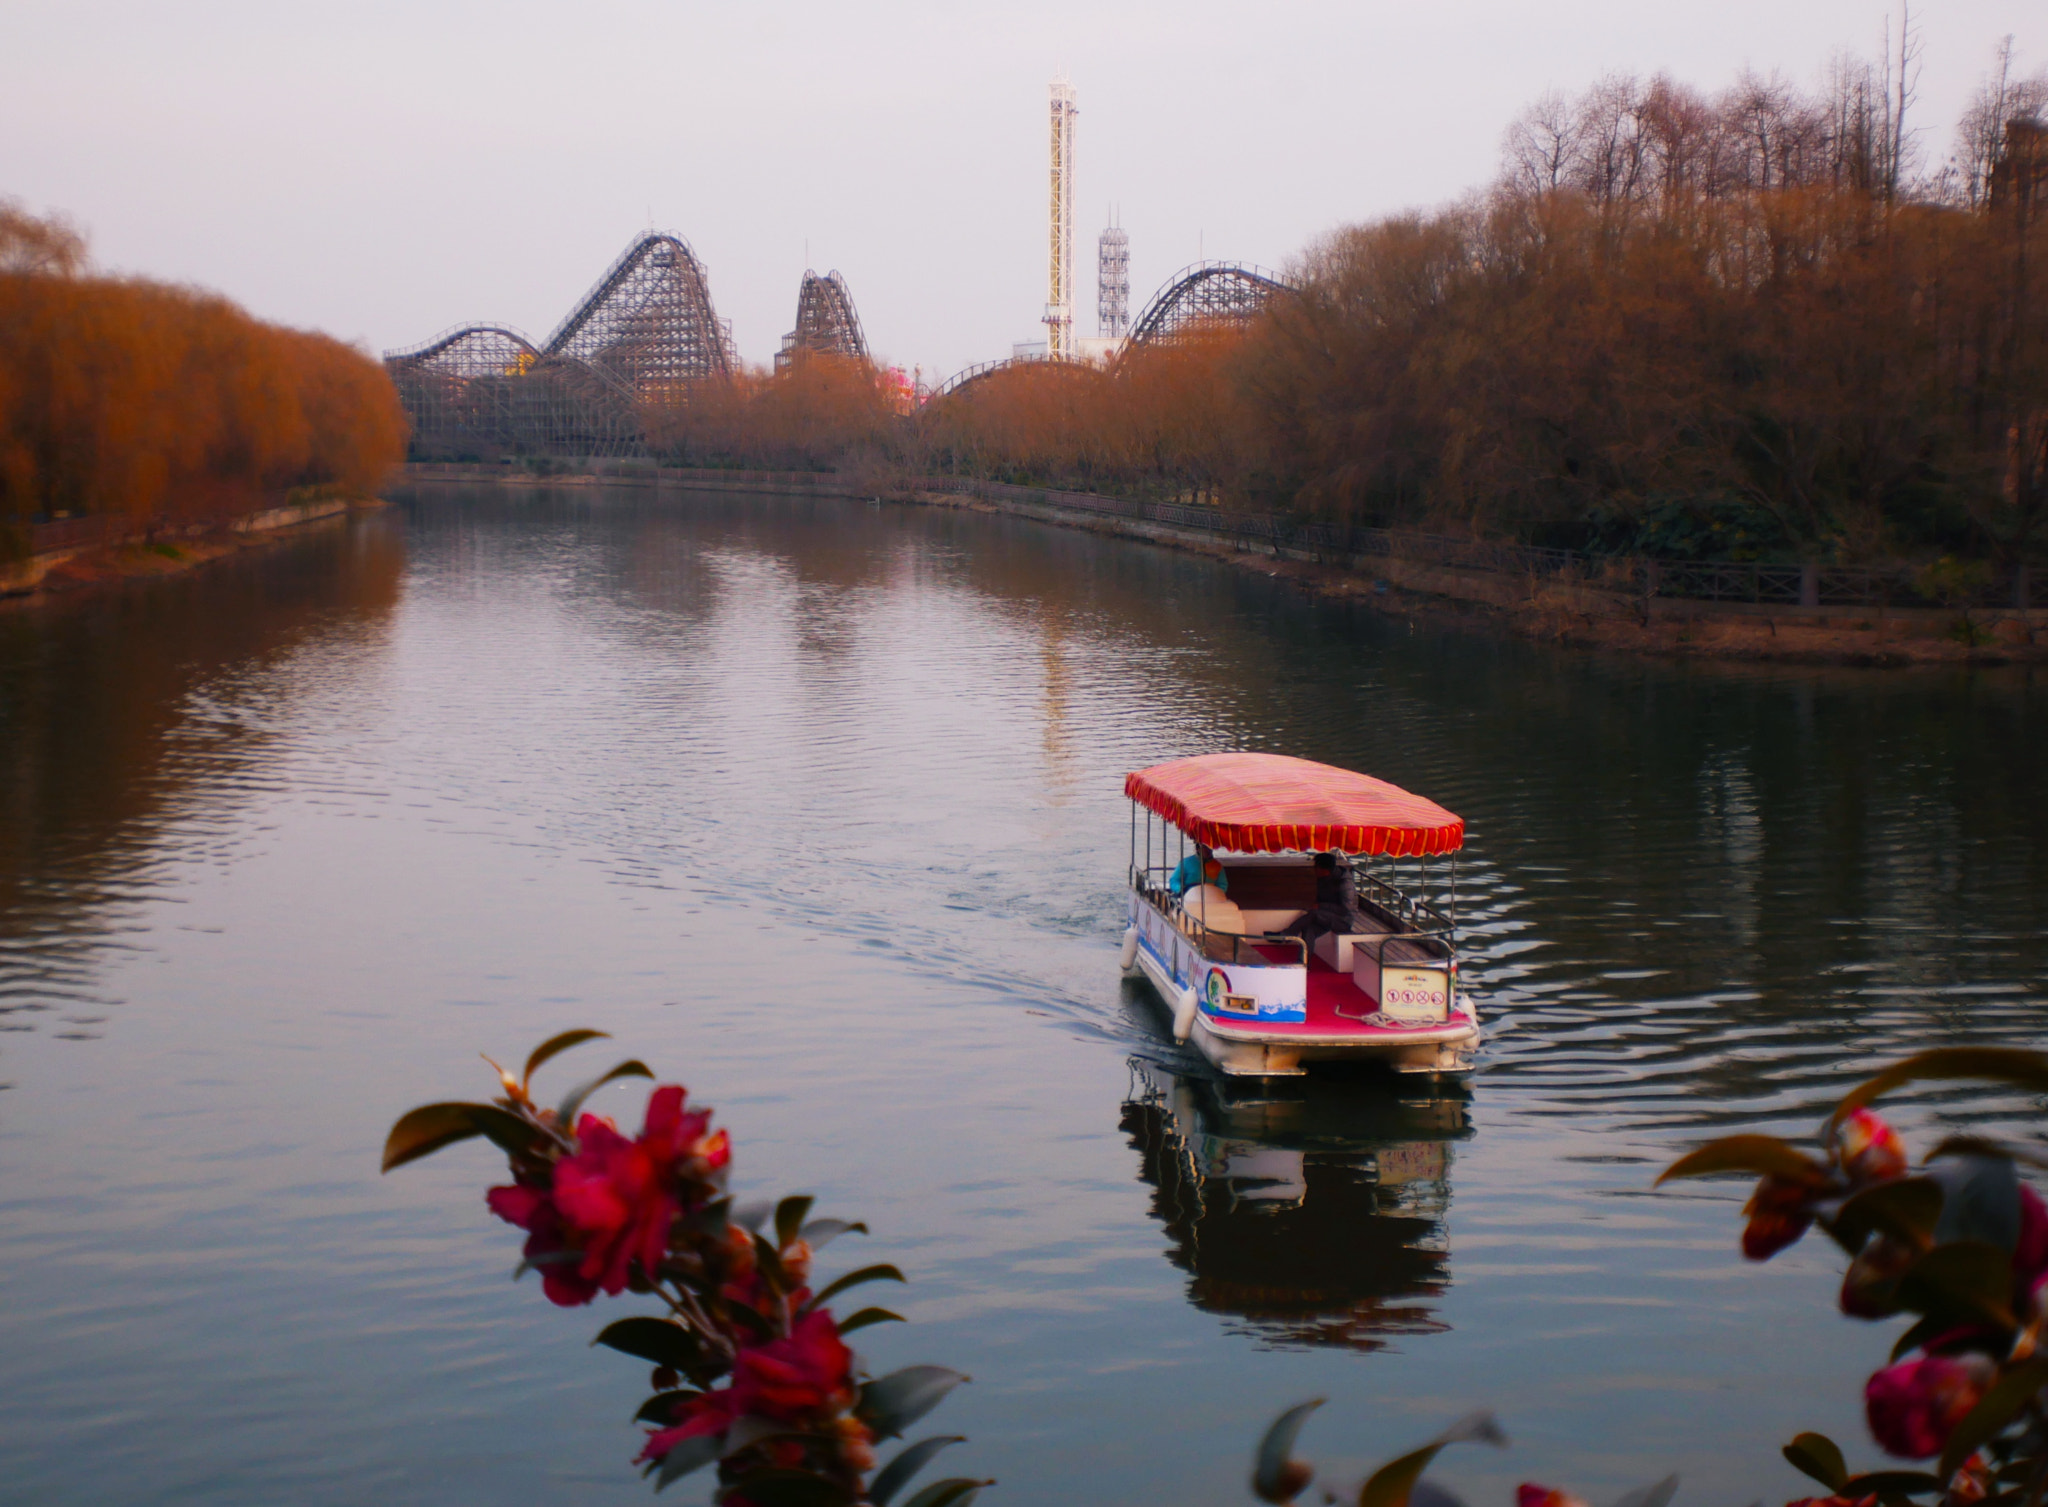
(1411, 911)
(1216, 946)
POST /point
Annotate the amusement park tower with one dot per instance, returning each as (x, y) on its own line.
(1113, 283)
(1059, 296)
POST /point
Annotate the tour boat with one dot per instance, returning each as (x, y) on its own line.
(1233, 960)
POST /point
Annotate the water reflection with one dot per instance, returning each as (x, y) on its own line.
(1310, 1210)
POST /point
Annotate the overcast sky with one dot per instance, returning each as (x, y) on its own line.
(385, 170)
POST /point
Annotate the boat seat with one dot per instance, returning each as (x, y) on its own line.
(1212, 908)
(1338, 949)
(1260, 923)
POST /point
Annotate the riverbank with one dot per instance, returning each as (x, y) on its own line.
(1414, 577)
(90, 559)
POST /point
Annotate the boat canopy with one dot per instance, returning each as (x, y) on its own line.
(1269, 803)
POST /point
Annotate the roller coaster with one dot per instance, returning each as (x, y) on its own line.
(646, 334)
(1200, 297)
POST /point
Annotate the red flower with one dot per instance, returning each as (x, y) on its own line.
(1871, 1150)
(804, 1375)
(2030, 1252)
(620, 1196)
(534, 1211)
(1780, 1211)
(1914, 1406)
(1530, 1495)
(706, 1413)
(1836, 1501)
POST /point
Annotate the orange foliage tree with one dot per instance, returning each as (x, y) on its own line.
(124, 397)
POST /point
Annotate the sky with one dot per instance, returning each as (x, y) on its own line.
(384, 171)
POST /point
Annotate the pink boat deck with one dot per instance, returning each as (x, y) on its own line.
(1328, 991)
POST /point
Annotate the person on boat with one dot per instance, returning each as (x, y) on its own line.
(1336, 908)
(1198, 868)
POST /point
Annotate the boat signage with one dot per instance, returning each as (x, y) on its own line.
(1260, 994)
(1415, 994)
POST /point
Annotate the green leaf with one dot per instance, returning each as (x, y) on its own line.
(819, 1232)
(1994, 1410)
(1762, 1155)
(955, 1491)
(869, 1316)
(1656, 1494)
(554, 1046)
(662, 1341)
(514, 1134)
(788, 1488)
(424, 1131)
(2014, 1065)
(661, 1407)
(880, 1272)
(1390, 1484)
(1271, 1479)
(890, 1404)
(1922, 1331)
(1889, 1483)
(632, 1067)
(1820, 1457)
(551, 1258)
(770, 1262)
(691, 1454)
(789, 1216)
(1905, 1209)
(1967, 1276)
(1981, 1199)
(913, 1458)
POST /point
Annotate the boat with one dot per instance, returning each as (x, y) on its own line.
(1251, 979)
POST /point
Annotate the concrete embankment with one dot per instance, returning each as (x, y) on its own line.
(74, 553)
(1534, 604)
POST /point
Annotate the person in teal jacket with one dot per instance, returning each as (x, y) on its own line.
(1198, 868)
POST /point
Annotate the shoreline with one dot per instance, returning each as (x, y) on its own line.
(167, 551)
(1568, 614)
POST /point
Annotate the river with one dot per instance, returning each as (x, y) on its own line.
(817, 807)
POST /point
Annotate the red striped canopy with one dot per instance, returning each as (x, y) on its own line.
(1269, 803)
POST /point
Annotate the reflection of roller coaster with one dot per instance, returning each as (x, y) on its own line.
(1205, 296)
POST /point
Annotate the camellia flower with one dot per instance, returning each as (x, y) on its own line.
(1871, 1150)
(1528, 1494)
(532, 1210)
(620, 1196)
(1915, 1405)
(803, 1378)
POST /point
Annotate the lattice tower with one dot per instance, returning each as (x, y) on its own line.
(1113, 283)
(1059, 296)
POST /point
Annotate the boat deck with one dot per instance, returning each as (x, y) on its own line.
(1330, 992)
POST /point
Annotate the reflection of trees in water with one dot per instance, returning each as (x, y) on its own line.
(104, 745)
(1311, 1210)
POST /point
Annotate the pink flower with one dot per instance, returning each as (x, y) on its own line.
(620, 1196)
(706, 1413)
(1871, 1150)
(800, 1379)
(1914, 1406)
(1530, 1495)
(534, 1211)
(803, 1375)
(2030, 1252)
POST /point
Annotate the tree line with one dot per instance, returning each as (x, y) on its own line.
(147, 401)
(1733, 325)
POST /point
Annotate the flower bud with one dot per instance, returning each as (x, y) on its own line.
(1915, 1405)
(1870, 1149)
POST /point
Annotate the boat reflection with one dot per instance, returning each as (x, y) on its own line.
(1311, 1210)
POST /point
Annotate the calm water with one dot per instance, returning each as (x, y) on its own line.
(817, 808)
